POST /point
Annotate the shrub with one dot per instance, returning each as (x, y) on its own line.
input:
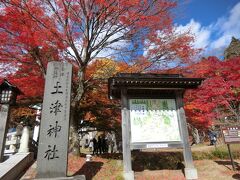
(221, 154)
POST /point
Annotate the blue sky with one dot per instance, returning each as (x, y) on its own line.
(213, 23)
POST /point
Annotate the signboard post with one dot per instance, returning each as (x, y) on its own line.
(54, 128)
(190, 170)
(153, 115)
(127, 164)
(231, 157)
(231, 135)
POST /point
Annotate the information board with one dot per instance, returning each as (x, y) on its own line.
(153, 120)
(231, 134)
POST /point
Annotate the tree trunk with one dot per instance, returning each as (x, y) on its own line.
(74, 138)
(238, 112)
(37, 57)
(197, 136)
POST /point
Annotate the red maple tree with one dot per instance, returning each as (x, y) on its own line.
(217, 100)
(78, 31)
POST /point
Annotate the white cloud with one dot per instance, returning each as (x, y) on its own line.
(228, 27)
(201, 34)
(233, 24)
(222, 41)
(215, 37)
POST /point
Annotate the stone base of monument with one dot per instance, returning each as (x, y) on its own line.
(78, 177)
(128, 175)
(191, 173)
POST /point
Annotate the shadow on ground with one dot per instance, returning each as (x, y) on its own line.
(157, 160)
(89, 169)
(236, 176)
(228, 164)
(151, 160)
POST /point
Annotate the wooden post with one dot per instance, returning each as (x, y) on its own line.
(190, 171)
(4, 110)
(231, 157)
(127, 164)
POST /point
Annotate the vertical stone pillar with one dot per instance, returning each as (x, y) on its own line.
(4, 111)
(127, 164)
(24, 141)
(190, 170)
(52, 155)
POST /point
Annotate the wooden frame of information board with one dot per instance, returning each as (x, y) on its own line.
(152, 86)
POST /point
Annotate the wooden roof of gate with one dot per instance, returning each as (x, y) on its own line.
(149, 81)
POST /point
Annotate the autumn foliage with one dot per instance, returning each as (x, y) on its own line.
(96, 107)
(217, 100)
(139, 32)
(140, 35)
(29, 81)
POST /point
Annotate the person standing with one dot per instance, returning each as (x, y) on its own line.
(104, 144)
(90, 146)
(99, 142)
(95, 146)
(212, 136)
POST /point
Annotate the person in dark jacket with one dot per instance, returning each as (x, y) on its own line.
(104, 144)
(99, 142)
(95, 146)
(212, 137)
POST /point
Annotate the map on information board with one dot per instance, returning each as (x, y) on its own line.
(153, 120)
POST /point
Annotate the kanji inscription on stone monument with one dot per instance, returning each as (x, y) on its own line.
(53, 141)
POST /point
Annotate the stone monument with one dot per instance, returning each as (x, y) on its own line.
(54, 128)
